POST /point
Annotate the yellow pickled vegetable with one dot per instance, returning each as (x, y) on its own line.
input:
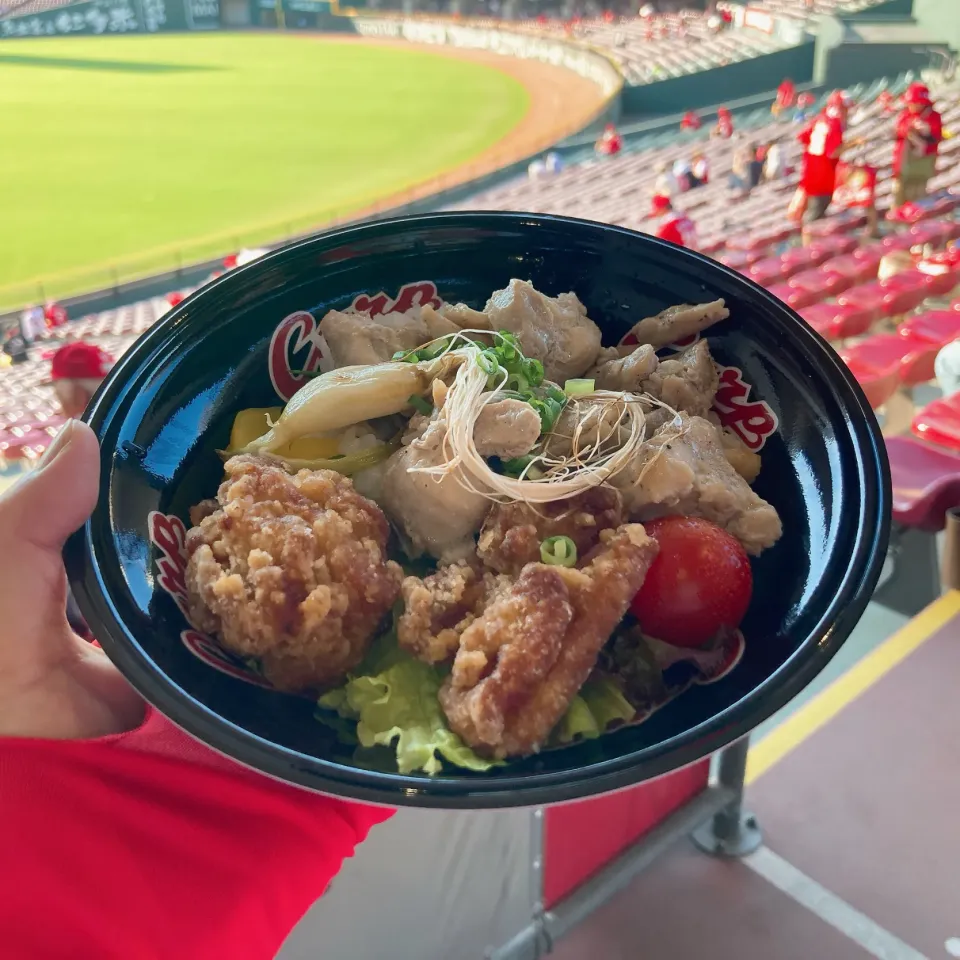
(252, 423)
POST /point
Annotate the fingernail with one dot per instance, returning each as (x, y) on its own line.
(59, 444)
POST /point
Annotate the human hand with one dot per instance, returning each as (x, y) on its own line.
(53, 684)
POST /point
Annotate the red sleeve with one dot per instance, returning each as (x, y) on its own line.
(670, 231)
(935, 122)
(804, 135)
(148, 844)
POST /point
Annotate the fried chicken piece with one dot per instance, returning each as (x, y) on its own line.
(512, 533)
(523, 661)
(438, 608)
(292, 570)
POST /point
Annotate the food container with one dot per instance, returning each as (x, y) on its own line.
(167, 407)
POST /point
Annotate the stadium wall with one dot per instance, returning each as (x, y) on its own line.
(735, 80)
(115, 17)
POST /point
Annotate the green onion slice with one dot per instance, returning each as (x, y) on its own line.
(558, 552)
(420, 405)
(579, 388)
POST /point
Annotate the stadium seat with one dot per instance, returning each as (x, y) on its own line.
(938, 327)
(836, 321)
(794, 296)
(879, 385)
(939, 422)
(913, 356)
(841, 223)
(766, 271)
(818, 284)
(906, 291)
(856, 269)
(827, 247)
(926, 483)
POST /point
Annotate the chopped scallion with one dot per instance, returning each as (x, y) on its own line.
(558, 552)
(420, 405)
(579, 388)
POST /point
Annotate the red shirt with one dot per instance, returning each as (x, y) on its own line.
(678, 229)
(822, 140)
(147, 845)
(928, 124)
(785, 94)
(610, 145)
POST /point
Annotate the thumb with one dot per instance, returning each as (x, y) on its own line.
(46, 506)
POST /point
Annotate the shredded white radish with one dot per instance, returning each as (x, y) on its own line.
(592, 463)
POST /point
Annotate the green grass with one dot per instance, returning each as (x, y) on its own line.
(118, 152)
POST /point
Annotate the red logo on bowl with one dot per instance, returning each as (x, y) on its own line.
(213, 655)
(168, 535)
(420, 294)
(751, 420)
(298, 350)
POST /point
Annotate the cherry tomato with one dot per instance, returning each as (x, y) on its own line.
(699, 584)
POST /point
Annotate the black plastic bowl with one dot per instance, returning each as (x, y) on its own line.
(168, 404)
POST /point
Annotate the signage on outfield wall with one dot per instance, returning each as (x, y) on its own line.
(588, 64)
(759, 20)
(115, 16)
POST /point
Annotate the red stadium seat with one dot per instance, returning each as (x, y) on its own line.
(857, 269)
(796, 297)
(914, 357)
(870, 251)
(926, 483)
(748, 243)
(766, 271)
(837, 224)
(837, 321)
(820, 284)
(878, 386)
(867, 296)
(800, 258)
(938, 327)
(897, 241)
(935, 232)
(939, 422)
(827, 247)
(906, 291)
(737, 259)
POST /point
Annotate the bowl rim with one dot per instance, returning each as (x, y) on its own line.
(733, 722)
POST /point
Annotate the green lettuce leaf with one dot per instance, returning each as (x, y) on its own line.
(393, 701)
(599, 704)
(395, 704)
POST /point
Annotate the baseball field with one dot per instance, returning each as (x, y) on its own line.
(123, 154)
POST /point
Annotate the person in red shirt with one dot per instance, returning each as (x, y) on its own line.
(674, 226)
(77, 370)
(124, 838)
(610, 142)
(786, 93)
(690, 121)
(724, 127)
(822, 142)
(918, 135)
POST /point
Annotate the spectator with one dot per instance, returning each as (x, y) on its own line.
(804, 102)
(773, 163)
(55, 314)
(918, 135)
(674, 226)
(32, 324)
(946, 368)
(786, 93)
(856, 189)
(741, 168)
(666, 183)
(681, 175)
(724, 127)
(690, 121)
(822, 142)
(549, 166)
(699, 170)
(610, 142)
(77, 370)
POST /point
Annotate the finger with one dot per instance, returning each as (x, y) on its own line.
(50, 503)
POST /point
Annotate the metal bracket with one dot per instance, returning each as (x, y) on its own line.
(731, 831)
